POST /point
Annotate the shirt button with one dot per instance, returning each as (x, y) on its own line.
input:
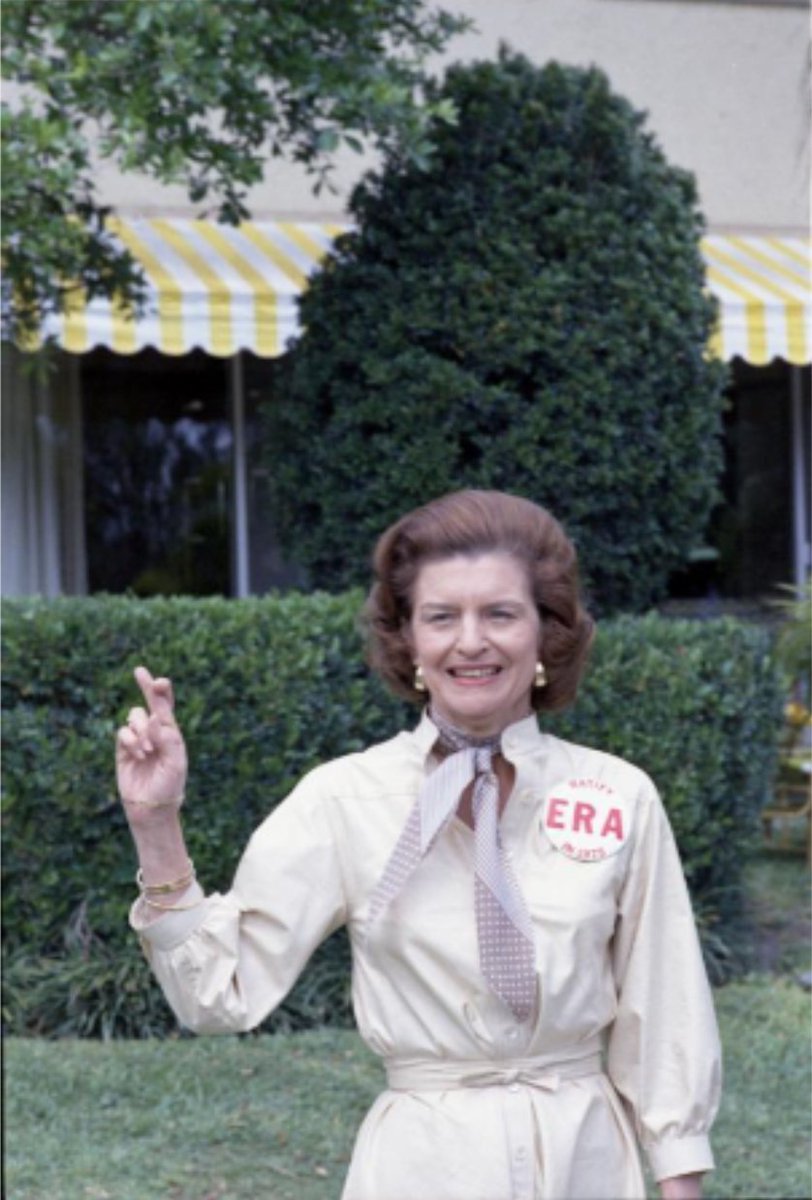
(513, 1087)
(512, 1034)
(521, 1154)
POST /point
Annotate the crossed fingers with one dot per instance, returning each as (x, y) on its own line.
(144, 730)
(158, 696)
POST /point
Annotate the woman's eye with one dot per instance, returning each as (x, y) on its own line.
(439, 618)
(502, 614)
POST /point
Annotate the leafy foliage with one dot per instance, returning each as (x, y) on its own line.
(189, 93)
(526, 314)
(793, 644)
(267, 689)
(53, 230)
(110, 992)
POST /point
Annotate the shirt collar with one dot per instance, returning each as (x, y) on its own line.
(522, 737)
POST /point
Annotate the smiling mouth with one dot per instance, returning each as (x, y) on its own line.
(474, 672)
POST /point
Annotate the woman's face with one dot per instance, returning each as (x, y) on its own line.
(476, 633)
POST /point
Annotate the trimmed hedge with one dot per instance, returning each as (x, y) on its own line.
(526, 313)
(266, 689)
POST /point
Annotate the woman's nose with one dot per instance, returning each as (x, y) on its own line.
(471, 638)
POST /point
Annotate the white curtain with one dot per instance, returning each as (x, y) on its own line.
(43, 545)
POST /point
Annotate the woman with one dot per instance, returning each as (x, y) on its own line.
(524, 953)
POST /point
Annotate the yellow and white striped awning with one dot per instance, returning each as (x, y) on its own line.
(764, 289)
(228, 288)
(221, 288)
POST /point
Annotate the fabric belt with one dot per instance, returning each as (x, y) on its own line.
(437, 1075)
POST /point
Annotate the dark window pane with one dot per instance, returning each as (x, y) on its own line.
(157, 473)
(271, 567)
(754, 531)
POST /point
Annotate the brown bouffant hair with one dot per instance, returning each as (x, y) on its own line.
(470, 523)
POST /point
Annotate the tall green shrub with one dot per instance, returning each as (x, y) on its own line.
(266, 689)
(527, 313)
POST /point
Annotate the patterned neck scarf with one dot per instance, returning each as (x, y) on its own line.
(504, 930)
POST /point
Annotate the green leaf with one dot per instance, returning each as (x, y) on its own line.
(194, 94)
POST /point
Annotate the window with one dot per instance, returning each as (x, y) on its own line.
(157, 451)
(754, 530)
(757, 536)
(269, 568)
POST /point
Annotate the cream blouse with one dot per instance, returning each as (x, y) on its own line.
(478, 1107)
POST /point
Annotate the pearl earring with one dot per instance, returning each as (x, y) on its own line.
(419, 682)
(540, 678)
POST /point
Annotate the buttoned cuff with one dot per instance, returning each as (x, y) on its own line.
(679, 1156)
(169, 929)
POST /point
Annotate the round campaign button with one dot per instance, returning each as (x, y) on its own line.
(586, 818)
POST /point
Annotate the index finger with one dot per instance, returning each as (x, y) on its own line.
(157, 694)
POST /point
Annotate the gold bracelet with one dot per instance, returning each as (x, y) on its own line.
(170, 907)
(176, 803)
(162, 889)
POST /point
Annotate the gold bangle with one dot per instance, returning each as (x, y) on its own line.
(165, 889)
(171, 907)
(162, 889)
(176, 803)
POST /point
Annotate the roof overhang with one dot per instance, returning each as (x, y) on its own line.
(228, 288)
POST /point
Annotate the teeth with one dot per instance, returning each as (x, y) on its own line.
(475, 672)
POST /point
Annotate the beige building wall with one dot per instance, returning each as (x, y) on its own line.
(726, 84)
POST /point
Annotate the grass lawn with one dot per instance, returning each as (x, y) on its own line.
(778, 888)
(273, 1118)
(253, 1118)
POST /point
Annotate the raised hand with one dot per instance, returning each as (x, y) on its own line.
(150, 752)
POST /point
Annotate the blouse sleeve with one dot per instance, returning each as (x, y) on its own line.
(663, 1049)
(225, 964)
